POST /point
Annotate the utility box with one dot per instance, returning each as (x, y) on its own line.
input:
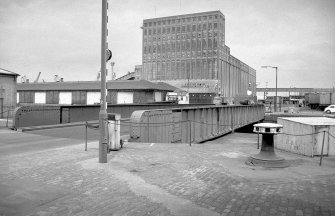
(113, 127)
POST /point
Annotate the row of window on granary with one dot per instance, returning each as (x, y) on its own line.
(88, 97)
(192, 69)
(183, 45)
(183, 29)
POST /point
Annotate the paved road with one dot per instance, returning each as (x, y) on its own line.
(13, 142)
(163, 179)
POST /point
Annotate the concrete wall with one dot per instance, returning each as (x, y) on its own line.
(310, 144)
(7, 95)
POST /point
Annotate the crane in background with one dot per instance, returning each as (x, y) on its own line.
(38, 77)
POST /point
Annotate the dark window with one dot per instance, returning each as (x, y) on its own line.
(183, 29)
(188, 45)
(145, 32)
(183, 46)
(173, 30)
(204, 26)
(168, 30)
(193, 27)
(204, 45)
(199, 44)
(159, 31)
(149, 31)
(177, 46)
(178, 29)
(163, 30)
(188, 28)
(215, 25)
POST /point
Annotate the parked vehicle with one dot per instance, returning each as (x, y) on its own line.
(319, 100)
(330, 109)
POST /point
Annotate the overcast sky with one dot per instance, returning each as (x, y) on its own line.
(63, 36)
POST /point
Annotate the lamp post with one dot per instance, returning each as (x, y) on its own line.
(275, 105)
(103, 107)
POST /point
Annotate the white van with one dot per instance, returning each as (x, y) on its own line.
(330, 109)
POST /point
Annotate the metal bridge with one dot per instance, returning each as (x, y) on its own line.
(151, 123)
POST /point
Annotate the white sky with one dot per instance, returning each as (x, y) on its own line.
(63, 36)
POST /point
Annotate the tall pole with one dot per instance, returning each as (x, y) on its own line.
(276, 88)
(103, 107)
(275, 100)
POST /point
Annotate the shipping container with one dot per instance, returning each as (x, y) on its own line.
(332, 98)
(319, 100)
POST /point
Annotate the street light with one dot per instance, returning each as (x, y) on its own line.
(275, 105)
(103, 107)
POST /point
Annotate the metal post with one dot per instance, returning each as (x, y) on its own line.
(85, 136)
(190, 130)
(323, 143)
(103, 107)
(232, 120)
(276, 88)
(7, 118)
(257, 140)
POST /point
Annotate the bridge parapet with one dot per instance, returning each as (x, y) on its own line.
(192, 124)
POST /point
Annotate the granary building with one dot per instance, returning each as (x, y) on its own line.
(189, 52)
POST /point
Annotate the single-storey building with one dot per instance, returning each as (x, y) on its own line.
(88, 92)
(7, 92)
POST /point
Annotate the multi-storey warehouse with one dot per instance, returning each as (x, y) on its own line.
(189, 51)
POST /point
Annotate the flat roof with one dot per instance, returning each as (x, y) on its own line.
(185, 15)
(311, 120)
(7, 72)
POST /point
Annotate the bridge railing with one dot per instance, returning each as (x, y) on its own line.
(192, 124)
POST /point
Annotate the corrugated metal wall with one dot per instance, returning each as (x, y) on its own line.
(52, 97)
(78, 97)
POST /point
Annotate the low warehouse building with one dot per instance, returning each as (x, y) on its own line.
(7, 92)
(88, 92)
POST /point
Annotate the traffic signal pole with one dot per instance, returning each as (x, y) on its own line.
(103, 107)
